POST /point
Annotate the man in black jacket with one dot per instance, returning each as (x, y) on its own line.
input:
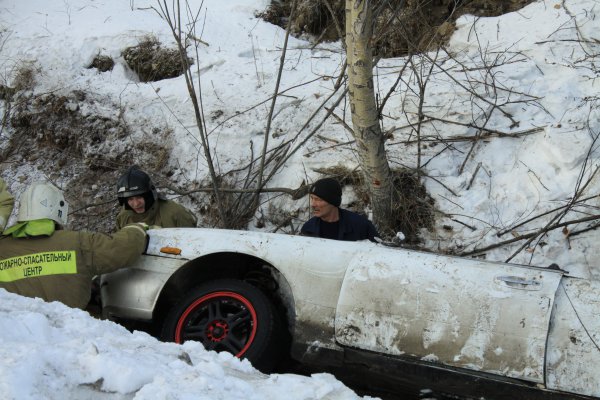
(332, 222)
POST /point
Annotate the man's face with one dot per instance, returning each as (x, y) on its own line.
(320, 207)
(137, 204)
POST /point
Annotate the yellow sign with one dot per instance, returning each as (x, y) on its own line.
(38, 264)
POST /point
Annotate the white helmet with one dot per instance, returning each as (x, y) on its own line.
(42, 200)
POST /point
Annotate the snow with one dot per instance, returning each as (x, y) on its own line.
(50, 351)
(544, 60)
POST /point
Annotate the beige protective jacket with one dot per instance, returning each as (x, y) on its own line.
(60, 267)
(164, 213)
(6, 204)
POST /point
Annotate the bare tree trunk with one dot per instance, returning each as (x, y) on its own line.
(365, 117)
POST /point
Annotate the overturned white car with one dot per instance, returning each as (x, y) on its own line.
(261, 295)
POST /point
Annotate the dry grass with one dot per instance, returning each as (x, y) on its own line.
(24, 78)
(83, 154)
(102, 63)
(151, 62)
(237, 208)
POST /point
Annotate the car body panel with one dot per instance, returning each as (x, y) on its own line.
(301, 261)
(465, 313)
(525, 324)
(133, 292)
(574, 354)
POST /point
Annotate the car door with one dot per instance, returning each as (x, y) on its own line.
(485, 316)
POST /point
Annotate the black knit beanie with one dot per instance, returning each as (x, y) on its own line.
(329, 190)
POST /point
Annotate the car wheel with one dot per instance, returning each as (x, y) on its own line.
(228, 315)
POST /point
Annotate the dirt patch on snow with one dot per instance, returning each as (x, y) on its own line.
(81, 143)
(401, 26)
(152, 62)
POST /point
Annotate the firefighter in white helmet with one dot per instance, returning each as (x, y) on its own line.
(40, 259)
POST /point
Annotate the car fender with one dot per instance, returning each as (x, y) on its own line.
(132, 293)
(300, 260)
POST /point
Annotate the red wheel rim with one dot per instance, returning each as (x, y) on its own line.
(222, 321)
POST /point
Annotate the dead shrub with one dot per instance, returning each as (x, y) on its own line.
(237, 207)
(159, 153)
(401, 26)
(274, 13)
(151, 62)
(282, 220)
(311, 17)
(102, 63)
(56, 121)
(24, 78)
(414, 207)
(6, 92)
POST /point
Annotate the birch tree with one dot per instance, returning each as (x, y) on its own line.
(365, 116)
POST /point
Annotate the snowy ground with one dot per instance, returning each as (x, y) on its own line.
(537, 99)
(50, 351)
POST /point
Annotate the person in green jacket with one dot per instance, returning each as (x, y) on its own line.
(7, 202)
(141, 202)
(40, 259)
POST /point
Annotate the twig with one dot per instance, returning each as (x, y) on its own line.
(473, 176)
(438, 181)
(392, 88)
(476, 137)
(174, 22)
(261, 168)
(464, 224)
(531, 235)
(489, 132)
(589, 228)
(296, 194)
(328, 148)
(340, 120)
(505, 231)
(579, 190)
(536, 176)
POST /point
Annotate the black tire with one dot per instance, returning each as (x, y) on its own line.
(228, 315)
